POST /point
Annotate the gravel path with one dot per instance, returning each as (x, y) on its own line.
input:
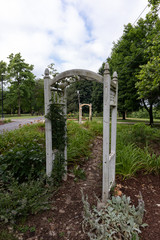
(18, 122)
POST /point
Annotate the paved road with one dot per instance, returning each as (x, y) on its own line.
(16, 123)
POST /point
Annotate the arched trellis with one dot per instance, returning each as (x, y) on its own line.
(80, 111)
(110, 94)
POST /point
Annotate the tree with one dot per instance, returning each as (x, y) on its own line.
(3, 67)
(148, 84)
(85, 92)
(39, 96)
(97, 93)
(126, 57)
(21, 80)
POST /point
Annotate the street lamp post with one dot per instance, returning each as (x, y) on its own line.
(2, 93)
(78, 96)
(78, 104)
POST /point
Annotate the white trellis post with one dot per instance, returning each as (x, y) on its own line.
(80, 113)
(113, 132)
(65, 115)
(48, 127)
(106, 132)
(90, 112)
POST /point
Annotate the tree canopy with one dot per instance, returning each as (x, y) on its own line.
(21, 80)
(148, 84)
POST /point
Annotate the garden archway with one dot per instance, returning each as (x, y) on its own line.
(80, 111)
(110, 92)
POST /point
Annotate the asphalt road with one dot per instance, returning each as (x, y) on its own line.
(19, 122)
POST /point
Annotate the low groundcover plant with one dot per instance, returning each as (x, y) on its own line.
(118, 219)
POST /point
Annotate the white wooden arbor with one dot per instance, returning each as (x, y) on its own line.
(80, 111)
(110, 92)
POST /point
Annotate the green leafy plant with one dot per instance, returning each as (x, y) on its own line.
(78, 142)
(150, 161)
(79, 173)
(128, 160)
(25, 228)
(6, 121)
(7, 236)
(24, 162)
(58, 170)
(23, 199)
(56, 115)
(27, 133)
(118, 219)
(141, 132)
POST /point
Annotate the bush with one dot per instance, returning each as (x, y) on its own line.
(141, 132)
(23, 199)
(23, 162)
(27, 133)
(150, 162)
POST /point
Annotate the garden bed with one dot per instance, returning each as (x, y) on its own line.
(64, 220)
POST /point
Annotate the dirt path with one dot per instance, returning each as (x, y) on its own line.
(64, 221)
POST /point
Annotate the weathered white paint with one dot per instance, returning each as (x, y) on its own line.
(65, 115)
(110, 93)
(86, 74)
(106, 129)
(48, 127)
(113, 133)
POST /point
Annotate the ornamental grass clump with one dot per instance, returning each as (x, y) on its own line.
(117, 220)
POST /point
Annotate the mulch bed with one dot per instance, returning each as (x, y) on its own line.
(1, 122)
(149, 186)
(64, 220)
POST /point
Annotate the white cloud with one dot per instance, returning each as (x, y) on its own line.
(70, 33)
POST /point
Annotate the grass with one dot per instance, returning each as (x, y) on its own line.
(130, 120)
(133, 155)
(78, 142)
(23, 116)
(7, 236)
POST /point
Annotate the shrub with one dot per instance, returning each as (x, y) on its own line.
(23, 199)
(141, 132)
(27, 133)
(58, 170)
(23, 162)
(150, 162)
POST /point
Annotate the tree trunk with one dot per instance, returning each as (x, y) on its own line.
(123, 115)
(150, 111)
(150, 115)
(19, 105)
(19, 98)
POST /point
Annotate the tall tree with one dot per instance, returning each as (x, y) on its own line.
(97, 93)
(85, 94)
(126, 57)
(3, 67)
(39, 97)
(148, 84)
(21, 80)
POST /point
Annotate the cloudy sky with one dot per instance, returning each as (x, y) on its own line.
(69, 33)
